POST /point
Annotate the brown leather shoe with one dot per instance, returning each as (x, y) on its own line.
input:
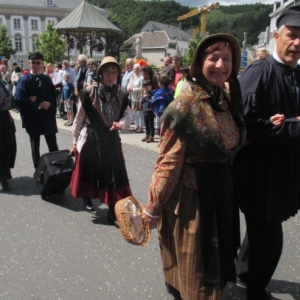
(145, 138)
(150, 139)
(140, 130)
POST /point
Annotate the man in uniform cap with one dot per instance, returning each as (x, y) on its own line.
(35, 96)
(267, 170)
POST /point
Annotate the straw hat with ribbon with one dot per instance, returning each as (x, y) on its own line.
(108, 60)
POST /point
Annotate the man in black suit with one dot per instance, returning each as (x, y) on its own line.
(35, 96)
(267, 169)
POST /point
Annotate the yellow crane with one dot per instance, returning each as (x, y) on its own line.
(200, 10)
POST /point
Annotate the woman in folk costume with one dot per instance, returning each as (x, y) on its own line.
(191, 193)
(100, 170)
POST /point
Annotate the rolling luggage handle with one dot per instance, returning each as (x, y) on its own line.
(62, 163)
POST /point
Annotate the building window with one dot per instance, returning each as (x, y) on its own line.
(1, 21)
(33, 38)
(18, 44)
(34, 24)
(49, 3)
(17, 24)
(172, 46)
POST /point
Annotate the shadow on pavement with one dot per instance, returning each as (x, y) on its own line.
(285, 287)
(278, 288)
(24, 185)
(66, 200)
(100, 217)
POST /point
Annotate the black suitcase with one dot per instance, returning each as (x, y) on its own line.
(53, 172)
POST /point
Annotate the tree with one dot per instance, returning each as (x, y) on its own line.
(191, 49)
(123, 58)
(131, 16)
(50, 44)
(6, 48)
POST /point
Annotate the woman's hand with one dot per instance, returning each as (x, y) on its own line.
(277, 119)
(73, 150)
(152, 222)
(116, 126)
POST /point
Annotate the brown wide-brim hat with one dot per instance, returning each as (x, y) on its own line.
(108, 60)
(217, 37)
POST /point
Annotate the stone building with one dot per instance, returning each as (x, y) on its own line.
(26, 19)
(157, 41)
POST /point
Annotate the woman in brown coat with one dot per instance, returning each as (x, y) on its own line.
(191, 193)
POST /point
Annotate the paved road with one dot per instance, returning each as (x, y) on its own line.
(55, 250)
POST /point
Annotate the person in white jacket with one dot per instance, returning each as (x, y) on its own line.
(135, 90)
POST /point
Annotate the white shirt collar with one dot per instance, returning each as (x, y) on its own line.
(276, 57)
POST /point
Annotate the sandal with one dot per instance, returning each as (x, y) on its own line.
(66, 124)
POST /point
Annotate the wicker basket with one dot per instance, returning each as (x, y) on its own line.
(129, 216)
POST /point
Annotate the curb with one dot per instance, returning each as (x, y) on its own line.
(127, 135)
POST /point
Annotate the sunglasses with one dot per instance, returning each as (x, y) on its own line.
(36, 62)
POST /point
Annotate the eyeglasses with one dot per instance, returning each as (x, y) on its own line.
(36, 62)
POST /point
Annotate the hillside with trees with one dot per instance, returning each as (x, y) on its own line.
(131, 16)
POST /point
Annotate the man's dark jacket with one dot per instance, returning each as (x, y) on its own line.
(268, 169)
(37, 121)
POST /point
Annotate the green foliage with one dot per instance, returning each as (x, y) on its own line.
(123, 59)
(86, 52)
(237, 19)
(132, 15)
(50, 44)
(6, 48)
(187, 59)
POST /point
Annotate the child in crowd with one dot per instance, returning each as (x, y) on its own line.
(147, 111)
(262, 54)
(161, 99)
(67, 97)
(184, 71)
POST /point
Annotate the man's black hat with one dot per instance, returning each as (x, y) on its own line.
(290, 17)
(36, 55)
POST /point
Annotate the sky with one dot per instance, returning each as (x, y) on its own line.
(196, 3)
